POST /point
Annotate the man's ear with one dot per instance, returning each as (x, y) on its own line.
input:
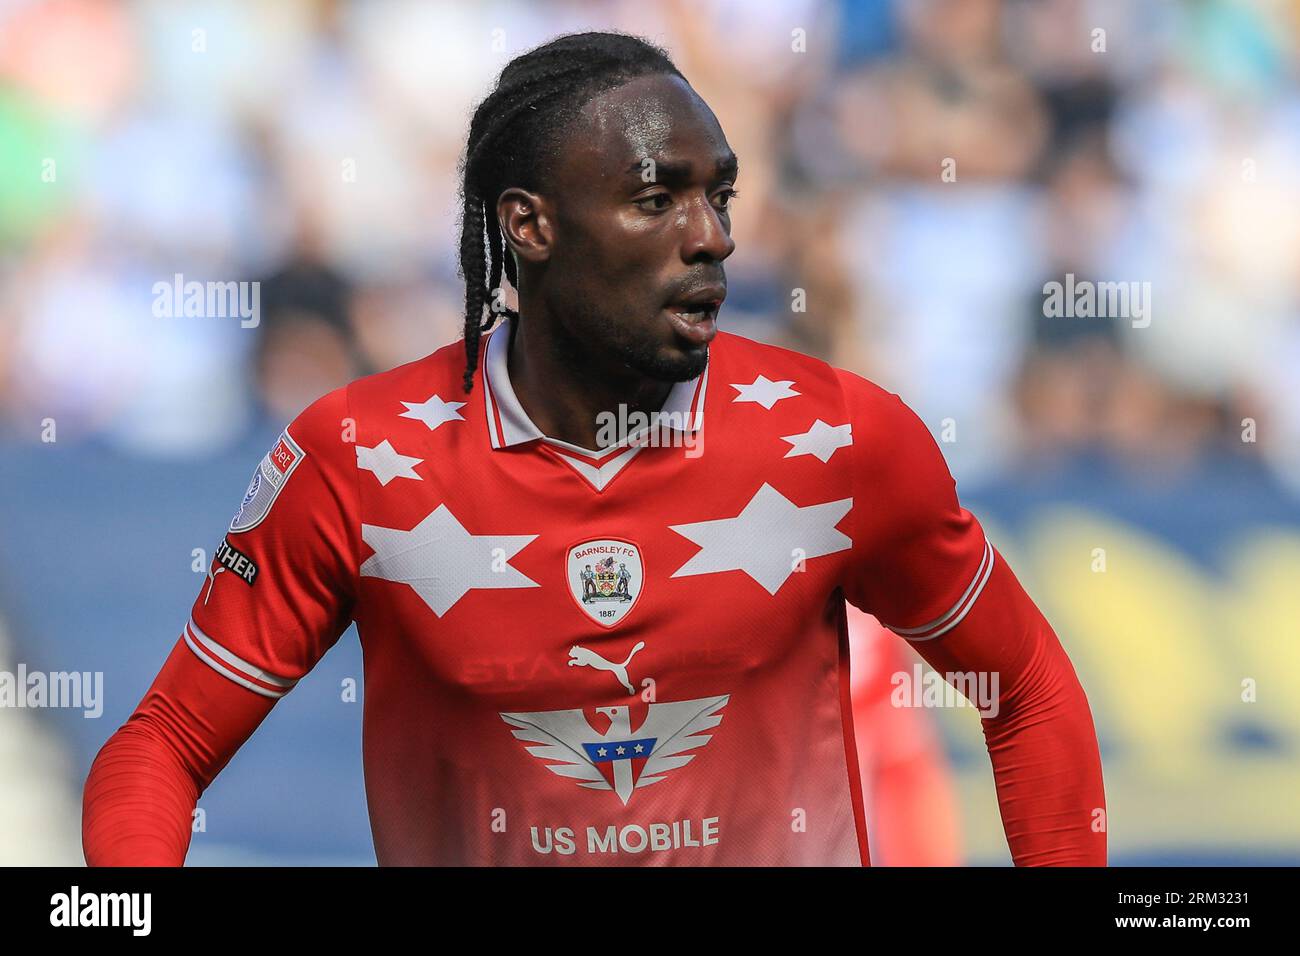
(526, 224)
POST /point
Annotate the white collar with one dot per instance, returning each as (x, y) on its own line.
(509, 424)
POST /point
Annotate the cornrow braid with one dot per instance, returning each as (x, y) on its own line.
(514, 140)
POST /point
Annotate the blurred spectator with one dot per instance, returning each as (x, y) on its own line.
(913, 174)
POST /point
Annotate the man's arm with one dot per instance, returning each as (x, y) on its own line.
(924, 567)
(280, 592)
(139, 799)
(1040, 736)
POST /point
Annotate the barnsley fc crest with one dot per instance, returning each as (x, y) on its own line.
(605, 578)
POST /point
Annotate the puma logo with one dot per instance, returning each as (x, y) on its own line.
(580, 656)
(212, 582)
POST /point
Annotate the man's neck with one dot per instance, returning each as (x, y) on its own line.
(565, 402)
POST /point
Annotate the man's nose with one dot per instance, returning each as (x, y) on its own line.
(707, 234)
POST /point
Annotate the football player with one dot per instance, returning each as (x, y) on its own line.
(519, 713)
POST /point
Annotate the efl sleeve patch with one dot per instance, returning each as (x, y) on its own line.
(271, 476)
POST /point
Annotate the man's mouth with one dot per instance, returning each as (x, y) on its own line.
(695, 321)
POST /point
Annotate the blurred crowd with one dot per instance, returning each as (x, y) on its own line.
(919, 168)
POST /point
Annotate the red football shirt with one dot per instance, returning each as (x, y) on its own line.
(635, 656)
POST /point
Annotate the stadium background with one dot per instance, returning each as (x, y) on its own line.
(313, 147)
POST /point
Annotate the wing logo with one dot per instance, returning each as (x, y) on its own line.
(621, 759)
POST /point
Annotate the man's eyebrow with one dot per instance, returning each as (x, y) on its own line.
(673, 171)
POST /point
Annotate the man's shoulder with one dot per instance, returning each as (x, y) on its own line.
(441, 373)
(888, 439)
(811, 377)
(436, 379)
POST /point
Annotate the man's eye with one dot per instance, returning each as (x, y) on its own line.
(668, 201)
(729, 195)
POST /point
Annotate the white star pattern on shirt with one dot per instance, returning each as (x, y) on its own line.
(387, 463)
(821, 440)
(767, 539)
(433, 411)
(764, 391)
(441, 561)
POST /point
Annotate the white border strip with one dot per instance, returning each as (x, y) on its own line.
(955, 614)
(240, 670)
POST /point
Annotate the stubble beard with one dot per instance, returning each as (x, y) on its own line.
(604, 346)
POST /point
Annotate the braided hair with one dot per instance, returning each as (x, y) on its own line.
(514, 140)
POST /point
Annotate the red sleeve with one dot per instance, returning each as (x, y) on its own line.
(140, 795)
(922, 565)
(1039, 734)
(919, 558)
(283, 578)
(279, 592)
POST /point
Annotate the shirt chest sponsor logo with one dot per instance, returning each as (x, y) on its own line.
(622, 758)
(272, 473)
(605, 577)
